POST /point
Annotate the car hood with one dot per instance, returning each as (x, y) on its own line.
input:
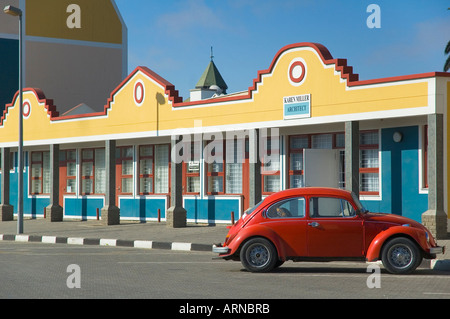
(391, 218)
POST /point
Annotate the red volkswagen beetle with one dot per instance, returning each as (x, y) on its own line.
(324, 224)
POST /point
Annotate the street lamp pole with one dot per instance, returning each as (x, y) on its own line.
(18, 13)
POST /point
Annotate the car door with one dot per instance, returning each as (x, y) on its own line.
(333, 228)
(287, 219)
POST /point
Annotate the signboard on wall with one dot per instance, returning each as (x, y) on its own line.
(297, 106)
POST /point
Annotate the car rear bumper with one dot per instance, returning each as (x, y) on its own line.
(219, 249)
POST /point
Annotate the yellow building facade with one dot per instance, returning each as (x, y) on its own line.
(386, 139)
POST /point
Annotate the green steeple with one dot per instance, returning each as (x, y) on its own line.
(210, 77)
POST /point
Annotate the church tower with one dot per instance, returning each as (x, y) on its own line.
(210, 84)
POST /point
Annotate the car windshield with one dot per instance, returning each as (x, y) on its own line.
(358, 204)
(250, 210)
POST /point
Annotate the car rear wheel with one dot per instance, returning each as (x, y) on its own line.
(259, 255)
(401, 256)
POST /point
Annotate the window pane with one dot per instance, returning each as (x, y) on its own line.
(215, 184)
(71, 186)
(347, 209)
(87, 154)
(296, 162)
(146, 151)
(193, 184)
(127, 152)
(324, 141)
(330, 207)
(146, 185)
(369, 182)
(340, 140)
(272, 161)
(71, 168)
(100, 171)
(86, 186)
(162, 169)
(87, 169)
(271, 183)
(127, 167)
(369, 138)
(369, 158)
(299, 142)
(234, 178)
(46, 176)
(127, 185)
(36, 170)
(296, 181)
(215, 167)
(235, 151)
(287, 209)
(273, 165)
(146, 166)
(36, 186)
(233, 166)
(71, 155)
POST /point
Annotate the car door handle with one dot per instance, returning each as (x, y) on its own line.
(314, 224)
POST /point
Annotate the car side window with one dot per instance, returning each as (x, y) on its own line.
(330, 207)
(293, 207)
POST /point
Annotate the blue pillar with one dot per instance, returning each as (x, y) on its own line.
(6, 210)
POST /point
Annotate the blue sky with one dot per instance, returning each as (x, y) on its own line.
(173, 37)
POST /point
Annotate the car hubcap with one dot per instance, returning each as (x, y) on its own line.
(258, 255)
(400, 256)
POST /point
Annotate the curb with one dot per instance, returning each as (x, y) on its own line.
(436, 264)
(146, 244)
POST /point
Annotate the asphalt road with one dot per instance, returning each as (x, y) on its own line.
(35, 270)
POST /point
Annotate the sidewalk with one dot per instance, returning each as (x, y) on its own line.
(193, 237)
(151, 235)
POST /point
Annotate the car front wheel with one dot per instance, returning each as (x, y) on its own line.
(401, 256)
(259, 255)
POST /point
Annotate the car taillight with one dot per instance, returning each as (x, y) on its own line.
(227, 237)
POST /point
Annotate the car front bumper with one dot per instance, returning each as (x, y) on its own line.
(437, 250)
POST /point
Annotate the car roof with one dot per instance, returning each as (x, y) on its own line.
(308, 191)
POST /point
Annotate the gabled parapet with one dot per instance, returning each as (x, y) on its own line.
(146, 104)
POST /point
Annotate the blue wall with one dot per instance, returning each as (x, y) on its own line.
(211, 209)
(84, 207)
(400, 175)
(142, 208)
